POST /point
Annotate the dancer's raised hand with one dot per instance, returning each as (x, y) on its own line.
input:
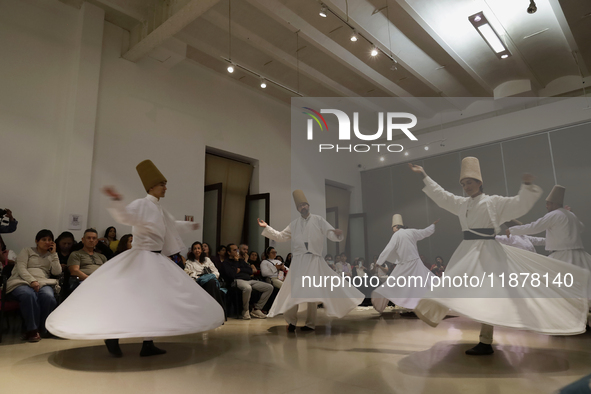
(418, 169)
(528, 179)
(111, 192)
(262, 223)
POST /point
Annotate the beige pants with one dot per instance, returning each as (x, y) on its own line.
(277, 283)
(291, 315)
(486, 334)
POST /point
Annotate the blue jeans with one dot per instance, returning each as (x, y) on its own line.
(35, 307)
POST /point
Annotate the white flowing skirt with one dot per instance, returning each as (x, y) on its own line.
(136, 294)
(577, 257)
(337, 303)
(557, 310)
(416, 285)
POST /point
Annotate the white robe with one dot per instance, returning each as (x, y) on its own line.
(552, 310)
(308, 261)
(524, 242)
(402, 251)
(563, 238)
(139, 293)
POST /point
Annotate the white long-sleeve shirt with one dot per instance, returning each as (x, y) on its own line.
(524, 242)
(563, 230)
(402, 247)
(153, 228)
(195, 269)
(312, 231)
(269, 268)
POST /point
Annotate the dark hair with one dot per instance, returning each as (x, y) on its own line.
(327, 256)
(219, 249)
(442, 261)
(107, 232)
(122, 247)
(228, 246)
(91, 230)
(208, 249)
(62, 236)
(191, 255)
(42, 234)
(268, 250)
(3, 244)
(280, 259)
(257, 260)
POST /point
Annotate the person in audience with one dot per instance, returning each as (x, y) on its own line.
(360, 269)
(330, 262)
(288, 260)
(30, 284)
(111, 237)
(203, 271)
(243, 249)
(82, 263)
(438, 268)
(220, 257)
(255, 263)
(8, 223)
(280, 258)
(64, 243)
(273, 270)
(179, 260)
(206, 250)
(342, 266)
(124, 244)
(8, 256)
(238, 272)
(139, 293)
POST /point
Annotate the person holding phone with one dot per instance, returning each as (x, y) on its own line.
(7, 222)
(31, 285)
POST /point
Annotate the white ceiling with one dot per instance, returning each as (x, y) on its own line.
(438, 53)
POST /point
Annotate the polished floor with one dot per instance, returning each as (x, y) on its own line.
(362, 353)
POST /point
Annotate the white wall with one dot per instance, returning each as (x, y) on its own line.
(144, 111)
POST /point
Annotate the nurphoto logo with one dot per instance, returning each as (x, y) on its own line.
(344, 133)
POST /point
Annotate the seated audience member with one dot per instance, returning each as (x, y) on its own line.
(288, 260)
(220, 257)
(8, 223)
(64, 243)
(30, 284)
(343, 267)
(238, 272)
(206, 250)
(124, 244)
(179, 260)
(82, 263)
(201, 269)
(272, 270)
(111, 237)
(243, 250)
(360, 269)
(8, 256)
(255, 264)
(330, 262)
(280, 258)
(438, 268)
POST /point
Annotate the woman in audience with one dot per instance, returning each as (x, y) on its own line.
(111, 236)
(288, 260)
(203, 271)
(255, 263)
(438, 268)
(206, 250)
(273, 270)
(31, 286)
(219, 257)
(124, 244)
(280, 259)
(63, 245)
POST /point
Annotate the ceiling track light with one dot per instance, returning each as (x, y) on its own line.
(230, 68)
(484, 28)
(374, 51)
(532, 7)
(263, 83)
(354, 36)
(323, 11)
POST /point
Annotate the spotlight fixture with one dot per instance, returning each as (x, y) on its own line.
(263, 83)
(354, 36)
(532, 7)
(374, 51)
(230, 68)
(322, 12)
(491, 37)
(405, 153)
(382, 158)
(427, 147)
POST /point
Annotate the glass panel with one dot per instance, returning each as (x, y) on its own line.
(256, 242)
(357, 237)
(331, 217)
(210, 218)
